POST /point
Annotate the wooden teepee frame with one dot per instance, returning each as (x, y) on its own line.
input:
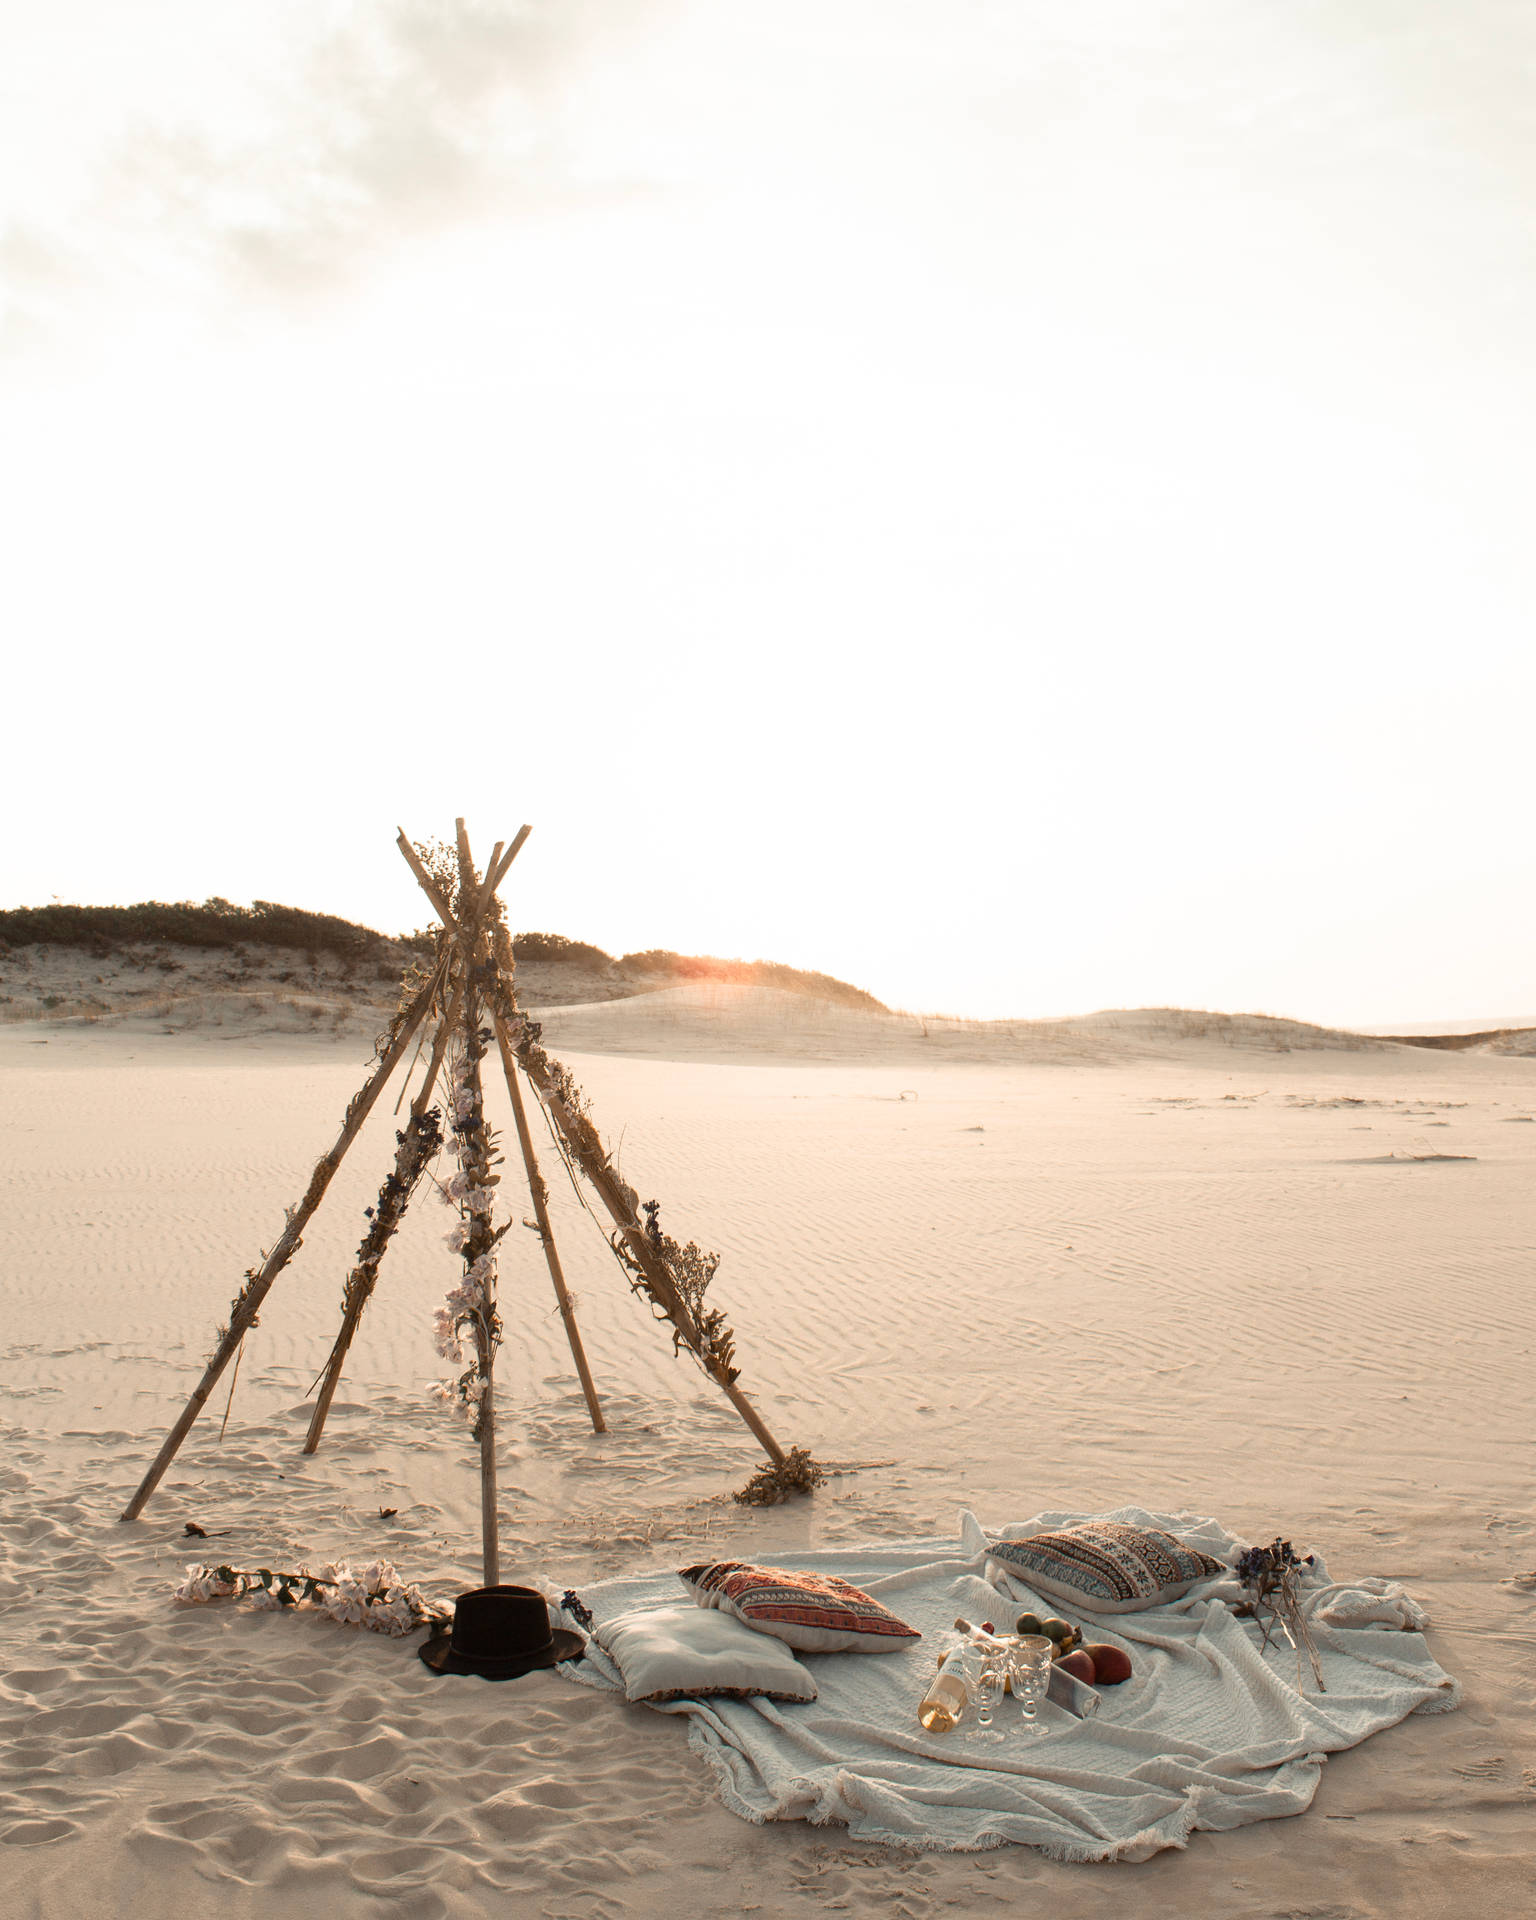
(469, 990)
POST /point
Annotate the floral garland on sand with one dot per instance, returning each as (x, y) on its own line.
(374, 1596)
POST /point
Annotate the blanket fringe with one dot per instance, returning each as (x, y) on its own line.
(1446, 1700)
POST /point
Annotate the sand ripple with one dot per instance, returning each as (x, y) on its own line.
(1023, 1285)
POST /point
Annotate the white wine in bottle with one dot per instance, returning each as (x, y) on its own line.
(946, 1700)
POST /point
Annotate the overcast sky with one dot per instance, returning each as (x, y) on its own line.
(1024, 506)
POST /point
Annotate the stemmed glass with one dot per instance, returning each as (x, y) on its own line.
(1031, 1673)
(991, 1684)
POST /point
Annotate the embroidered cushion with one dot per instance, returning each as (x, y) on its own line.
(678, 1653)
(1106, 1567)
(814, 1612)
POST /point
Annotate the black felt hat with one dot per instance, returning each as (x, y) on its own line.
(499, 1633)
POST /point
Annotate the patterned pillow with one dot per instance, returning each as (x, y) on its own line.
(678, 1653)
(812, 1612)
(1106, 1567)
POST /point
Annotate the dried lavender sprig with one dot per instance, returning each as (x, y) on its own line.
(1276, 1570)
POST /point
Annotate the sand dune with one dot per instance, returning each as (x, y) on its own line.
(729, 1023)
(273, 992)
(1199, 1263)
(241, 992)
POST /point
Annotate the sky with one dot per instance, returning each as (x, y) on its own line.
(1022, 506)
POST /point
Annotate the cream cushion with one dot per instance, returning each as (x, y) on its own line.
(687, 1653)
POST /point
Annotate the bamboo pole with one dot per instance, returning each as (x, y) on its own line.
(539, 1193)
(490, 1544)
(615, 1198)
(248, 1304)
(427, 884)
(470, 886)
(467, 935)
(499, 871)
(496, 872)
(353, 1312)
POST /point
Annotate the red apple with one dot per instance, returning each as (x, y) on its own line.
(1080, 1664)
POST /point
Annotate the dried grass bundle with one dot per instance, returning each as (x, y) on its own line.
(797, 1472)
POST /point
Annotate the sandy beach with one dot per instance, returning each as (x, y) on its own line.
(1286, 1288)
(942, 541)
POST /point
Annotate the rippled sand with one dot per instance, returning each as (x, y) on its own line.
(1141, 1265)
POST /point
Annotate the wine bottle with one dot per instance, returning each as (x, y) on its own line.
(949, 1694)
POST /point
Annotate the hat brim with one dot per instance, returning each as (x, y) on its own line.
(437, 1653)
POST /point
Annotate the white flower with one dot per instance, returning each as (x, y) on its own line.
(456, 1237)
(348, 1603)
(198, 1584)
(392, 1615)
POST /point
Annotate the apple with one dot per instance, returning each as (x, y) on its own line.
(1080, 1665)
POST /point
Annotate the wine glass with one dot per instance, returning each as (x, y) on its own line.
(991, 1682)
(1031, 1673)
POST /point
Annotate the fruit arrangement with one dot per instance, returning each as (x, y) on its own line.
(1095, 1666)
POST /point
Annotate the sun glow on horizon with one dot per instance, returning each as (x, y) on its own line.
(1023, 510)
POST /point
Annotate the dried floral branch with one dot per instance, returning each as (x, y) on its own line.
(671, 1276)
(471, 1306)
(772, 1486)
(1273, 1575)
(418, 1144)
(691, 1270)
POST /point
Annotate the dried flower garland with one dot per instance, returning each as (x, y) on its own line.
(1273, 1576)
(689, 1268)
(374, 1597)
(418, 1144)
(470, 1308)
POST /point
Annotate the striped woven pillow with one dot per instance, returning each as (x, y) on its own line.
(811, 1612)
(1105, 1566)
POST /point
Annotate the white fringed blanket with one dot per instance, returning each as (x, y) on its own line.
(1210, 1733)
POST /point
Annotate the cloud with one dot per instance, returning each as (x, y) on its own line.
(40, 278)
(407, 118)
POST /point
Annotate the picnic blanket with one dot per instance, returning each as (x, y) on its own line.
(1210, 1733)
